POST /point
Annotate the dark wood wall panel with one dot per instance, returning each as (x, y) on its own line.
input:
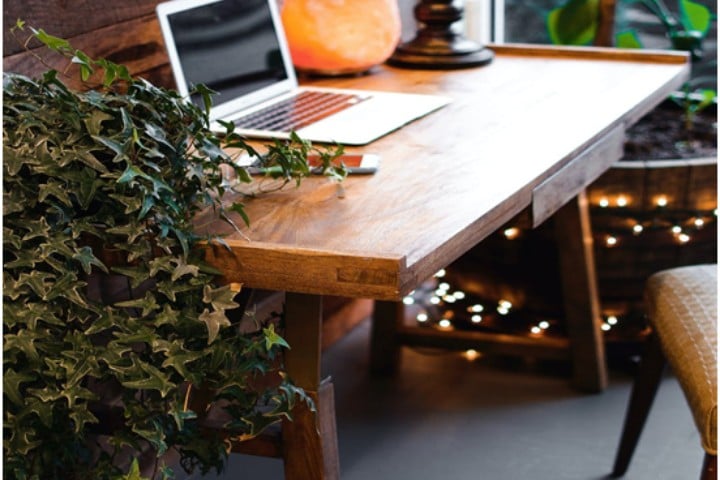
(128, 34)
(69, 18)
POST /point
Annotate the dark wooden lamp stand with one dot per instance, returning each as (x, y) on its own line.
(438, 44)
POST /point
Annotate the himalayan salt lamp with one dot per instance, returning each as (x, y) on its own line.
(338, 37)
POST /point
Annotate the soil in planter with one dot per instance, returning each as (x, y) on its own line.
(662, 134)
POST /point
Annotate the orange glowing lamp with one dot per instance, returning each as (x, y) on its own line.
(338, 37)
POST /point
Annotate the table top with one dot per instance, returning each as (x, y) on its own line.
(447, 180)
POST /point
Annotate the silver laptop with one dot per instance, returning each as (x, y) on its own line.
(238, 49)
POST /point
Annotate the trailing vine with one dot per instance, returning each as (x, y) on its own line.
(99, 187)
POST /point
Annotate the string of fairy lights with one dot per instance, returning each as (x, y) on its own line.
(440, 305)
(443, 306)
(680, 224)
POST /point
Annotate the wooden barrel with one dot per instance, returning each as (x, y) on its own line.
(651, 215)
(520, 264)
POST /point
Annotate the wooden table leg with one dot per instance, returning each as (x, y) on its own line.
(580, 295)
(309, 442)
(384, 344)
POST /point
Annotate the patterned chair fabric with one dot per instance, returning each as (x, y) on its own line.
(682, 308)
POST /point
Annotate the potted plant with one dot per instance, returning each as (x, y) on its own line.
(105, 183)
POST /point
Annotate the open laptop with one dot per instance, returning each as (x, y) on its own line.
(238, 49)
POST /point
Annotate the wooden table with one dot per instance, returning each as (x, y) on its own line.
(530, 130)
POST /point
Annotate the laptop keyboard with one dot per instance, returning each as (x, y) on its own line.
(298, 111)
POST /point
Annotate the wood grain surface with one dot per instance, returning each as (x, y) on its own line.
(447, 180)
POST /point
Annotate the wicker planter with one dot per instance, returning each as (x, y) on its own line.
(673, 202)
(522, 267)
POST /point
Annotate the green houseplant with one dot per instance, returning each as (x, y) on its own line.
(104, 184)
(575, 22)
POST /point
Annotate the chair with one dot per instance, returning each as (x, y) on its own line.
(682, 311)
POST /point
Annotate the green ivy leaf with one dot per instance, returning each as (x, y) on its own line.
(87, 259)
(220, 298)
(35, 407)
(148, 304)
(11, 384)
(179, 358)
(66, 287)
(153, 379)
(239, 208)
(137, 274)
(81, 417)
(104, 321)
(206, 95)
(54, 189)
(134, 473)
(214, 320)
(24, 259)
(272, 339)
(94, 121)
(183, 269)
(51, 41)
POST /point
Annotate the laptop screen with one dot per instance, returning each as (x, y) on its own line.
(230, 46)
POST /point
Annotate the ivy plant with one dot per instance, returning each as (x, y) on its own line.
(104, 184)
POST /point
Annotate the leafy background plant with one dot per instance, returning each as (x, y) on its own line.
(575, 23)
(536, 21)
(99, 187)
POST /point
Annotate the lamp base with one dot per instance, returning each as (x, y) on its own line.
(408, 55)
(439, 44)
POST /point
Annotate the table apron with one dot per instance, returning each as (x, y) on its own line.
(571, 179)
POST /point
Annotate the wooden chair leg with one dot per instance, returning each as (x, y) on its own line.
(644, 389)
(709, 470)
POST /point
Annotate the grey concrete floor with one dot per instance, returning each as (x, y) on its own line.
(446, 418)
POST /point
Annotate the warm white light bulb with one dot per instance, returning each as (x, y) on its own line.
(449, 299)
(408, 300)
(536, 330)
(676, 229)
(611, 241)
(422, 317)
(604, 202)
(544, 325)
(444, 323)
(434, 300)
(661, 201)
(684, 238)
(699, 222)
(459, 295)
(505, 304)
(476, 318)
(612, 320)
(637, 228)
(440, 273)
(605, 327)
(622, 201)
(511, 233)
(471, 354)
(477, 308)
